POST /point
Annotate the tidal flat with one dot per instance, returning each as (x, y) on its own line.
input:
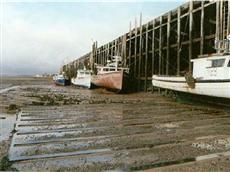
(68, 128)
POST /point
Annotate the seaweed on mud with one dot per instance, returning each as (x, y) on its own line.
(35, 103)
(12, 108)
(6, 165)
(53, 99)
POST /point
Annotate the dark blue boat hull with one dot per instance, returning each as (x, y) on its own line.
(62, 82)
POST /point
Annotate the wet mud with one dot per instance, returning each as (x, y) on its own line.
(68, 128)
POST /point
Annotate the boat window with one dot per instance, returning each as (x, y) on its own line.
(112, 69)
(87, 73)
(229, 63)
(81, 73)
(218, 63)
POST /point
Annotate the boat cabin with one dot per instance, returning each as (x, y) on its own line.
(83, 73)
(212, 68)
(112, 66)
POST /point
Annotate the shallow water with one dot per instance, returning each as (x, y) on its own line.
(7, 122)
(5, 89)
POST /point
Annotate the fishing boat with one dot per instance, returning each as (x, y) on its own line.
(112, 76)
(61, 80)
(83, 78)
(210, 75)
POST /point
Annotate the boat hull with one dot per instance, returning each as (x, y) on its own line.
(116, 81)
(82, 82)
(214, 88)
(62, 82)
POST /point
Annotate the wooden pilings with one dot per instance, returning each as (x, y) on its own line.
(178, 40)
(166, 44)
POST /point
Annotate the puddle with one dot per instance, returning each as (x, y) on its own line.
(67, 162)
(12, 157)
(6, 125)
(7, 89)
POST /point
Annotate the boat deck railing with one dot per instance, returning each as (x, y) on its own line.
(223, 46)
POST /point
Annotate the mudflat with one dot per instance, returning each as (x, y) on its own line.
(68, 128)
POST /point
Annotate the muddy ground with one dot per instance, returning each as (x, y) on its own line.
(74, 129)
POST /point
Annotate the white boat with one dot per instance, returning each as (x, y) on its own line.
(83, 78)
(210, 77)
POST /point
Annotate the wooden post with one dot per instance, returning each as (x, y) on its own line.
(115, 53)
(95, 60)
(178, 40)
(202, 29)
(153, 50)
(92, 58)
(135, 50)
(153, 47)
(190, 33)
(224, 21)
(107, 54)
(130, 43)
(103, 55)
(228, 25)
(140, 54)
(218, 23)
(168, 42)
(221, 19)
(99, 55)
(160, 47)
(124, 55)
(146, 55)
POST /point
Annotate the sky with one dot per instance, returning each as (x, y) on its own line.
(40, 36)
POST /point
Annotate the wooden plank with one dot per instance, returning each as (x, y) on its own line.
(178, 39)
(202, 29)
(168, 43)
(190, 34)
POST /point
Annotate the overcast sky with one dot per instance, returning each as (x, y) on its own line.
(40, 36)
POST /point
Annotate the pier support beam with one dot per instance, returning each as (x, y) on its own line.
(178, 40)
(146, 56)
(168, 42)
(202, 29)
(228, 25)
(140, 54)
(135, 50)
(160, 47)
(190, 34)
(153, 50)
(130, 44)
